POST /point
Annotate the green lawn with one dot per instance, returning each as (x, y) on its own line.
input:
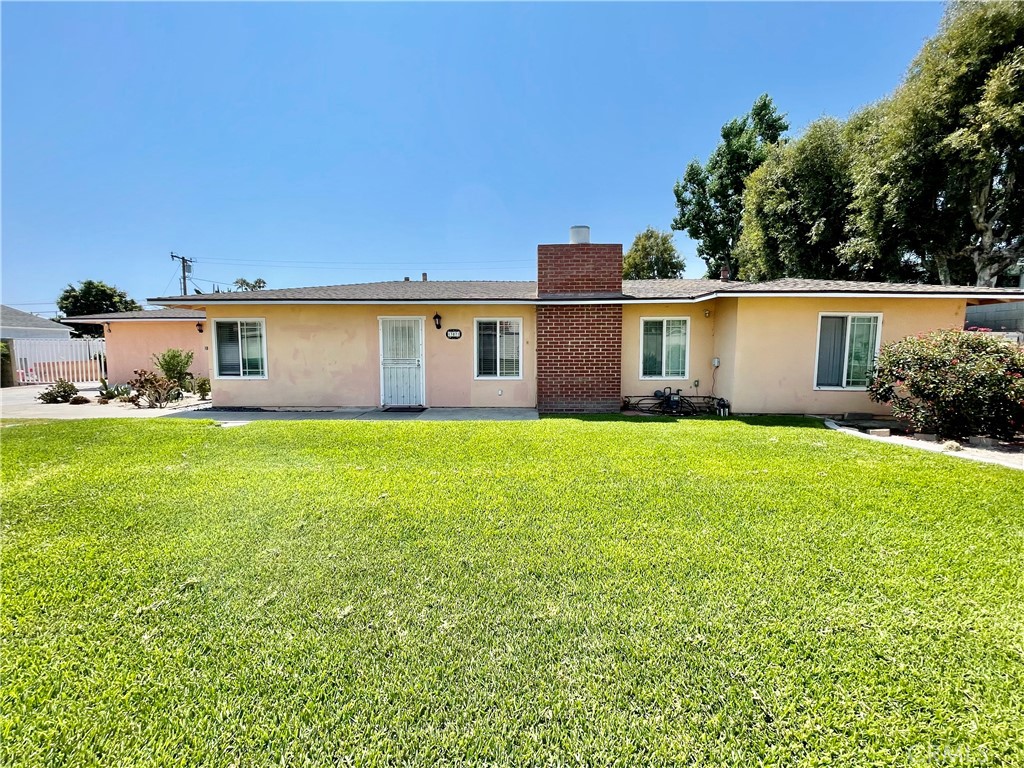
(562, 592)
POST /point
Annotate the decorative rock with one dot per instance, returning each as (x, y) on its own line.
(983, 442)
(952, 445)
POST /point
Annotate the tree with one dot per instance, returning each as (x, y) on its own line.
(93, 297)
(795, 210)
(709, 198)
(256, 285)
(652, 256)
(938, 166)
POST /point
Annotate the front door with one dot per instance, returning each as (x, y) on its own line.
(401, 361)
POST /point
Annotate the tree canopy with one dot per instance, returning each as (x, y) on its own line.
(652, 256)
(709, 198)
(258, 284)
(795, 208)
(93, 297)
(937, 166)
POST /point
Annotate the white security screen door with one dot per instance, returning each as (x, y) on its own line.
(401, 361)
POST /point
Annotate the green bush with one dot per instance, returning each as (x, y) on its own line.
(174, 365)
(953, 383)
(203, 387)
(152, 391)
(60, 392)
(113, 391)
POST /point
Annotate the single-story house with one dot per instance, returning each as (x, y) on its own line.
(134, 337)
(15, 324)
(578, 339)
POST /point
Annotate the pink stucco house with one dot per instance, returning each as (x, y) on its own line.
(134, 337)
(578, 339)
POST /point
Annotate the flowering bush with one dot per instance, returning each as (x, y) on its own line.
(953, 383)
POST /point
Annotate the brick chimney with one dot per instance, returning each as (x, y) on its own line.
(579, 346)
(579, 266)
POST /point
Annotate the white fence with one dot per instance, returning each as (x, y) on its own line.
(43, 361)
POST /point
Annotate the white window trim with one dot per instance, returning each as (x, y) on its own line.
(846, 349)
(263, 338)
(476, 348)
(664, 337)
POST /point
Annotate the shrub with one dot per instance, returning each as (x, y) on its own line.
(174, 365)
(152, 391)
(79, 400)
(60, 392)
(112, 392)
(203, 387)
(953, 383)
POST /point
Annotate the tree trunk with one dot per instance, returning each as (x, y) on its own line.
(942, 267)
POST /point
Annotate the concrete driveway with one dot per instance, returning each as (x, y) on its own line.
(21, 403)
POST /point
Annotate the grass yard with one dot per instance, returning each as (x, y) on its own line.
(562, 592)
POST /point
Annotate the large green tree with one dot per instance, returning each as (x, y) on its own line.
(939, 166)
(93, 297)
(795, 209)
(652, 256)
(709, 198)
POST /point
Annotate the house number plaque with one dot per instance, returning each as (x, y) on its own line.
(453, 333)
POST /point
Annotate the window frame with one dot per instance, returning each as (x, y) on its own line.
(476, 349)
(846, 350)
(216, 349)
(664, 337)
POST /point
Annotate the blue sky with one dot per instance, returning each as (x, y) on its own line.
(323, 143)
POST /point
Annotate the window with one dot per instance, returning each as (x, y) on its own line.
(499, 349)
(241, 349)
(665, 348)
(847, 347)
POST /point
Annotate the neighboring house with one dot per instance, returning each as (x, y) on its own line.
(577, 340)
(134, 337)
(15, 324)
(997, 317)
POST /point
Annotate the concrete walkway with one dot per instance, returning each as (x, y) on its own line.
(1007, 458)
(236, 418)
(21, 403)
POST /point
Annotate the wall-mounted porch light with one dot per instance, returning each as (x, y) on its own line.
(108, 327)
(199, 327)
(437, 321)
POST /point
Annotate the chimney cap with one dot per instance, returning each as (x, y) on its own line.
(725, 274)
(579, 234)
(424, 277)
(407, 279)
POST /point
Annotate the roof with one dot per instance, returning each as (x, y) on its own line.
(15, 318)
(175, 313)
(800, 285)
(525, 292)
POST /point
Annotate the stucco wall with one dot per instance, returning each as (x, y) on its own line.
(131, 345)
(776, 341)
(701, 347)
(327, 356)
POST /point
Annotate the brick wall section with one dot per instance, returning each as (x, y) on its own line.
(585, 268)
(579, 357)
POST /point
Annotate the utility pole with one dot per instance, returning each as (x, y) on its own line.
(186, 270)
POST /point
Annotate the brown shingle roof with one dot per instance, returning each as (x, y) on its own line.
(800, 285)
(496, 291)
(145, 314)
(394, 290)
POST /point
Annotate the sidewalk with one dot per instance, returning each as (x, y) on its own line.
(21, 403)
